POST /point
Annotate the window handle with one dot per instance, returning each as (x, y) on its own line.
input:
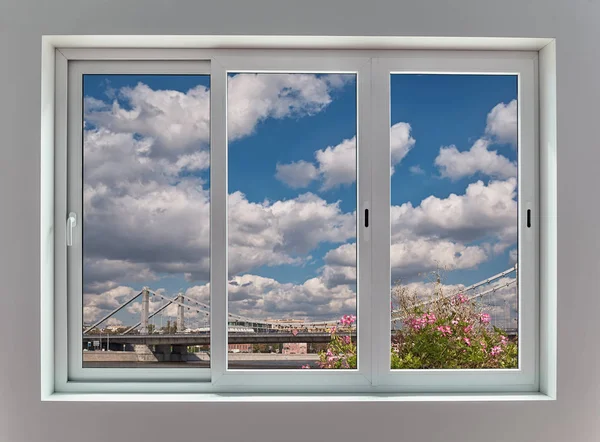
(71, 224)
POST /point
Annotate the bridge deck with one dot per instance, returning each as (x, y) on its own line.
(233, 338)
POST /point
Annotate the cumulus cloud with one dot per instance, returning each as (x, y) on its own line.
(252, 98)
(297, 174)
(257, 296)
(450, 233)
(455, 164)
(409, 258)
(483, 211)
(502, 123)
(250, 296)
(176, 122)
(97, 304)
(336, 165)
(175, 126)
(340, 266)
(165, 229)
(401, 142)
(501, 128)
(146, 216)
(283, 232)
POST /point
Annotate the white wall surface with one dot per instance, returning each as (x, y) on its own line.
(574, 417)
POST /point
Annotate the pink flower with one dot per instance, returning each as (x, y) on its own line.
(333, 329)
(460, 298)
(484, 318)
(347, 340)
(348, 320)
(483, 344)
(445, 330)
(496, 351)
(503, 340)
(467, 341)
(306, 367)
(454, 322)
(417, 323)
(468, 329)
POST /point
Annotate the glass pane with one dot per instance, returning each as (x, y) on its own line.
(292, 221)
(454, 221)
(146, 203)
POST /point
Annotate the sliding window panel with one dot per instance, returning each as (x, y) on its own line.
(297, 258)
(139, 187)
(460, 257)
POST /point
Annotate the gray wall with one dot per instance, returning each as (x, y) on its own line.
(576, 414)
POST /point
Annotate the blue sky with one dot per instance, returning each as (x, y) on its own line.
(444, 110)
(291, 177)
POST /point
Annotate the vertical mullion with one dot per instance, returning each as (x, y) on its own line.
(528, 237)
(363, 237)
(74, 253)
(218, 220)
(380, 222)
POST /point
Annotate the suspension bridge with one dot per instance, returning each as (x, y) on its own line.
(173, 343)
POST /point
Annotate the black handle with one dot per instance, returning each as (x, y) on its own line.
(366, 217)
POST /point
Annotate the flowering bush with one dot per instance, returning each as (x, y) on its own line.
(341, 351)
(447, 332)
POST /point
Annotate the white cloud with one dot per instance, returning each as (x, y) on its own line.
(416, 170)
(513, 256)
(95, 305)
(253, 98)
(144, 218)
(502, 123)
(455, 165)
(409, 258)
(283, 232)
(297, 174)
(177, 122)
(401, 142)
(104, 274)
(256, 296)
(440, 233)
(340, 266)
(147, 229)
(337, 164)
(483, 211)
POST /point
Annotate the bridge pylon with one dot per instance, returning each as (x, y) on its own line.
(145, 310)
(180, 313)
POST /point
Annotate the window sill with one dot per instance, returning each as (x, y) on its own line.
(230, 397)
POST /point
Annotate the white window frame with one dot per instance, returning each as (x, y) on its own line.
(524, 66)
(60, 384)
(272, 379)
(72, 181)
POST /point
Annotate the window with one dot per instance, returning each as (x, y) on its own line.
(145, 219)
(297, 221)
(291, 216)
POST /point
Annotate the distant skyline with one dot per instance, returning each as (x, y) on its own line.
(292, 185)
